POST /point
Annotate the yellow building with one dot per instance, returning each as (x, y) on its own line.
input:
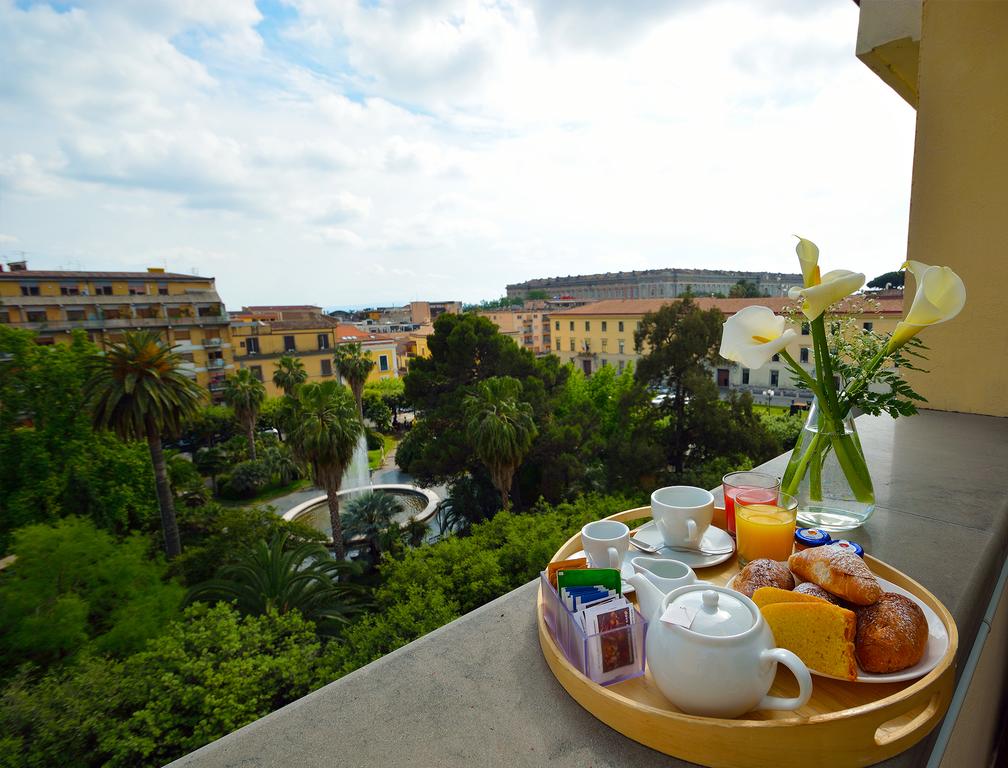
(600, 334)
(184, 309)
(530, 328)
(259, 343)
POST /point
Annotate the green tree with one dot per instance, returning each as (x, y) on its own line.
(325, 429)
(211, 425)
(681, 341)
(72, 587)
(377, 412)
(289, 374)
(245, 393)
(889, 279)
(501, 428)
(744, 289)
(353, 364)
(279, 578)
(368, 517)
(138, 391)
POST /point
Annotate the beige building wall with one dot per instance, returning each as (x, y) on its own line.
(959, 197)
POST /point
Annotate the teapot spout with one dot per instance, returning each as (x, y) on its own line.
(649, 597)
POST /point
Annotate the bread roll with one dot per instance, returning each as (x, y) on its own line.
(812, 590)
(891, 634)
(762, 573)
(839, 571)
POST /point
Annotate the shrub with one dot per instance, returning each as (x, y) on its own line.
(374, 440)
(248, 478)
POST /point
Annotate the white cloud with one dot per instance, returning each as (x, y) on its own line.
(448, 146)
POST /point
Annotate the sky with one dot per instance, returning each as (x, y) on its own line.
(341, 152)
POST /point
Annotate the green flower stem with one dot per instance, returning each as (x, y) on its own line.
(824, 366)
(801, 375)
(854, 388)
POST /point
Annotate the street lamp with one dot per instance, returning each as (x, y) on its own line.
(768, 394)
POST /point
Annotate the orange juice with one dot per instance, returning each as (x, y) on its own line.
(764, 530)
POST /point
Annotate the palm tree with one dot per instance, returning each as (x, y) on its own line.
(325, 427)
(281, 462)
(138, 391)
(289, 374)
(245, 393)
(274, 577)
(501, 429)
(368, 517)
(354, 365)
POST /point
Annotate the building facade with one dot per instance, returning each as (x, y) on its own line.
(529, 327)
(602, 334)
(185, 310)
(260, 343)
(653, 284)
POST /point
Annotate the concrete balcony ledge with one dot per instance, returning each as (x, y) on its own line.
(477, 692)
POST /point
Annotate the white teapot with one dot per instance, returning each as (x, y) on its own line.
(721, 660)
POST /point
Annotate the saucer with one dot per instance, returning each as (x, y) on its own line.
(713, 538)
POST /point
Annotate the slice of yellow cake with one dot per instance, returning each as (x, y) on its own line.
(820, 634)
(770, 595)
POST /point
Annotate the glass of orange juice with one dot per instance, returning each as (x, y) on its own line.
(764, 528)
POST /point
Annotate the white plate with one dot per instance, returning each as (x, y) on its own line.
(937, 644)
(713, 538)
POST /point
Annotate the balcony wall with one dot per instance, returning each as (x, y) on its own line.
(477, 692)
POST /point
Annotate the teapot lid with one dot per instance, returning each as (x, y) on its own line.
(715, 613)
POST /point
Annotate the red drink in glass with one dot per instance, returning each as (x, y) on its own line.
(755, 484)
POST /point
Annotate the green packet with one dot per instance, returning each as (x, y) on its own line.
(591, 577)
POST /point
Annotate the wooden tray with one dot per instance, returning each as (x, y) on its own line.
(843, 724)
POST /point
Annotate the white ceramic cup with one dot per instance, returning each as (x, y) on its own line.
(682, 513)
(605, 542)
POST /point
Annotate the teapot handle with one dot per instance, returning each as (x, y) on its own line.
(798, 669)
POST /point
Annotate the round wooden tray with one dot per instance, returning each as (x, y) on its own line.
(843, 724)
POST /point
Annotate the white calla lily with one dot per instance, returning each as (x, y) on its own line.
(835, 285)
(753, 335)
(940, 296)
(808, 256)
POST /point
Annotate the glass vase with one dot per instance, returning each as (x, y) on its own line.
(828, 474)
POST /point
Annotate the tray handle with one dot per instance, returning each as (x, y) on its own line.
(884, 735)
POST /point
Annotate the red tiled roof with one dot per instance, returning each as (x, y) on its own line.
(55, 274)
(279, 307)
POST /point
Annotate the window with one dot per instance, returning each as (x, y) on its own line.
(75, 314)
(804, 329)
(803, 355)
(622, 365)
(558, 345)
(103, 290)
(603, 326)
(323, 341)
(383, 363)
(572, 325)
(776, 358)
(621, 350)
(37, 317)
(252, 346)
(326, 367)
(162, 289)
(587, 325)
(69, 290)
(620, 326)
(29, 290)
(868, 326)
(182, 335)
(4, 316)
(137, 290)
(256, 371)
(572, 344)
(558, 325)
(774, 378)
(604, 362)
(604, 343)
(745, 375)
(289, 345)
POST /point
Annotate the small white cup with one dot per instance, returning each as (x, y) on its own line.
(605, 542)
(682, 513)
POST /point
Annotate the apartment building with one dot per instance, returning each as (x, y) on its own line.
(529, 327)
(259, 343)
(601, 334)
(185, 310)
(653, 284)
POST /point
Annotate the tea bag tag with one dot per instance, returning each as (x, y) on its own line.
(680, 615)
